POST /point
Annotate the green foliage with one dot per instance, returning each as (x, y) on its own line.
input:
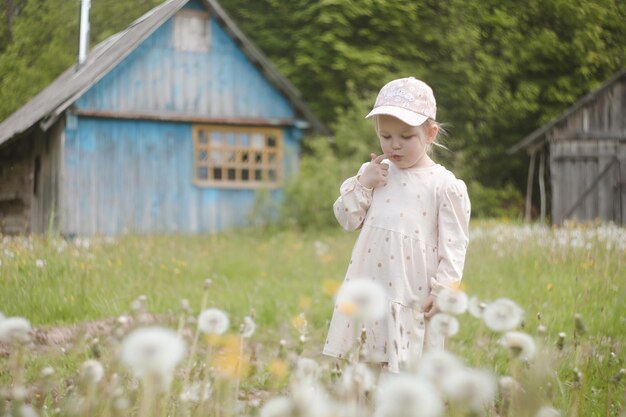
(326, 162)
(499, 68)
(502, 202)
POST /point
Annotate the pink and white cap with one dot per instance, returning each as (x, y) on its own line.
(407, 99)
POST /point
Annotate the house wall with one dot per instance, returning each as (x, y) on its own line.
(156, 78)
(580, 165)
(125, 174)
(16, 185)
(602, 117)
(128, 176)
(588, 158)
(47, 160)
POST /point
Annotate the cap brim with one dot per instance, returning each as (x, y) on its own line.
(407, 116)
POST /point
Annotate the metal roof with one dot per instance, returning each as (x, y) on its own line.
(538, 134)
(50, 103)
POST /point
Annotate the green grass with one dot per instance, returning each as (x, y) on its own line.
(551, 274)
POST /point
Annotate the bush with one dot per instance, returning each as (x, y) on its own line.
(495, 202)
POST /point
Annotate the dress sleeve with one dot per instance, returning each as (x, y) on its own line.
(454, 216)
(353, 202)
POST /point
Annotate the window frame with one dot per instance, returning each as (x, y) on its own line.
(245, 156)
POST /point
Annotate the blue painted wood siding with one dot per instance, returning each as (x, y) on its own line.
(124, 176)
(136, 175)
(157, 78)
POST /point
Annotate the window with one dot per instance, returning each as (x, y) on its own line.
(237, 157)
(191, 31)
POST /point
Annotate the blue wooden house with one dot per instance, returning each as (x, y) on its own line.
(170, 126)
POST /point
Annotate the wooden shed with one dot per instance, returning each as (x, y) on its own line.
(169, 126)
(586, 151)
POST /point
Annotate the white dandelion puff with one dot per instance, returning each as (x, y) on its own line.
(502, 315)
(474, 388)
(362, 299)
(91, 372)
(452, 301)
(444, 324)
(277, 407)
(407, 395)
(213, 321)
(26, 410)
(152, 351)
(196, 392)
(547, 411)
(306, 370)
(358, 375)
(521, 344)
(247, 327)
(509, 385)
(15, 330)
(321, 248)
(40, 263)
(435, 365)
(476, 307)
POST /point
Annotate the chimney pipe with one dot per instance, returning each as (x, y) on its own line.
(84, 31)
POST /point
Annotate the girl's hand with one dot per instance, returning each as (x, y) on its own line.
(429, 308)
(375, 173)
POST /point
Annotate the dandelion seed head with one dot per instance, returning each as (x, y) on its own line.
(152, 351)
(363, 299)
(476, 307)
(547, 411)
(444, 324)
(26, 410)
(508, 383)
(196, 392)
(40, 263)
(207, 283)
(47, 372)
(91, 372)
(15, 330)
(360, 376)
(19, 393)
(306, 369)
(452, 301)
(502, 315)
(247, 327)
(521, 344)
(474, 388)
(213, 321)
(407, 395)
(277, 407)
(434, 365)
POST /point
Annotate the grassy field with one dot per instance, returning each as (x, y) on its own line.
(553, 274)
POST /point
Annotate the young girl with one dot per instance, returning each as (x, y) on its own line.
(413, 215)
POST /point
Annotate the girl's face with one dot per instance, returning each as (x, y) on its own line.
(403, 144)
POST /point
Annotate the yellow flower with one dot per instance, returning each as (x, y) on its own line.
(278, 368)
(299, 322)
(549, 286)
(228, 360)
(304, 303)
(330, 286)
(347, 308)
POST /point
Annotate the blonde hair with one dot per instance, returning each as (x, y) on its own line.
(441, 131)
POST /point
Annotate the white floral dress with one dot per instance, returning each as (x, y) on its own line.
(413, 240)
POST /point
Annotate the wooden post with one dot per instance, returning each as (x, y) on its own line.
(529, 188)
(542, 184)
